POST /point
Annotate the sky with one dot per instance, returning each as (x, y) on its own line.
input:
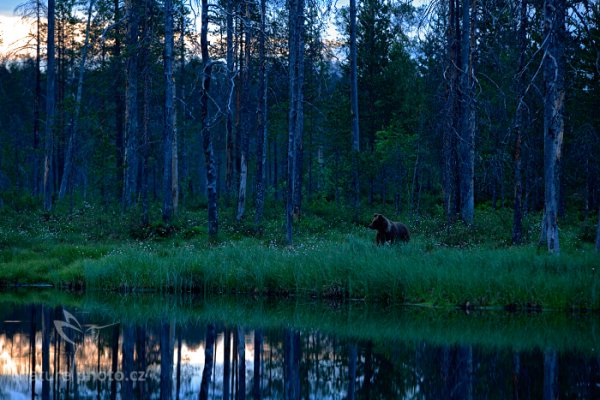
(12, 29)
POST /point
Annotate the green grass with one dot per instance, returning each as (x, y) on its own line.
(100, 249)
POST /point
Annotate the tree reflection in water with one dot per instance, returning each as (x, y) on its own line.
(193, 360)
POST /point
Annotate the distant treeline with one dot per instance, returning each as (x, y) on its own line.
(446, 106)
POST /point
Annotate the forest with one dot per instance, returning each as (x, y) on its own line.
(471, 120)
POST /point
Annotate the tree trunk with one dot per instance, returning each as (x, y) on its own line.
(352, 358)
(299, 134)
(131, 111)
(554, 75)
(127, 360)
(258, 344)
(517, 234)
(209, 358)
(449, 133)
(550, 375)
(261, 113)
(226, 362)
(466, 146)
(37, 102)
(119, 102)
(598, 233)
(169, 123)
(354, 107)
(241, 364)
(146, 93)
(74, 125)
(293, 82)
(209, 157)
(167, 343)
(50, 97)
(245, 134)
(231, 85)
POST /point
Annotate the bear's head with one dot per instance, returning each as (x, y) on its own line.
(379, 223)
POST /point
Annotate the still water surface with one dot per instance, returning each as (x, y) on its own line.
(160, 347)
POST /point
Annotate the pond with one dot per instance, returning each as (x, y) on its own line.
(61, 345)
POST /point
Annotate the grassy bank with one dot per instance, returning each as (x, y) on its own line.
(331, 258)
(353, 321)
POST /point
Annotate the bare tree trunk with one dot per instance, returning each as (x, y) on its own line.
(209, 358)
(352, 358)
(146, 93)
(293, 82)
(231, 84)
(119, 102)
(258, 344)
(245, 134)
(127, 349)
(131, 110)
(299, 134)
(169, 124)
(241, 359)
(554, 71)
(467, 118)
(50, 111)
(167, 343)
(209, 157)
(550, 375)
(354, 107)
(598, 233)
(37, 102)
(451, 112)
(261, 113)
(67, 167)
(517, 234)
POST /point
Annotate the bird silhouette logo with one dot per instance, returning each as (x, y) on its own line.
(70, 329)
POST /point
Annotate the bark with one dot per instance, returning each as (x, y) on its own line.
(258, 344)
(291, 156)
(209, 358)
(517, 234)
(127, 360)
(169, 152)
(450, 133)
(550, 375)
(131, 110)
(466, 146)
(37, 102)
(46, 332)
(146, 93)
(261, 113)
(352, 358)
(74, 126)
(299, 134)
(354, 105)
(50, 111)
(226, 362)
(167, 343)
(554, 71)
(245, 133)
(241, 360)
(231, 84)
(209, 157)
(598, 233)
(119, 102)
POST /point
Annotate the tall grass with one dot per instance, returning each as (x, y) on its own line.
(355, 269)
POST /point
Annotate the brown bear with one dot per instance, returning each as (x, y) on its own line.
(388, 231)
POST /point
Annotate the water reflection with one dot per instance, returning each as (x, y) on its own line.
(172, 360)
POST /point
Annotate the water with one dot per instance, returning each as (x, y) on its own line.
(152, 346)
